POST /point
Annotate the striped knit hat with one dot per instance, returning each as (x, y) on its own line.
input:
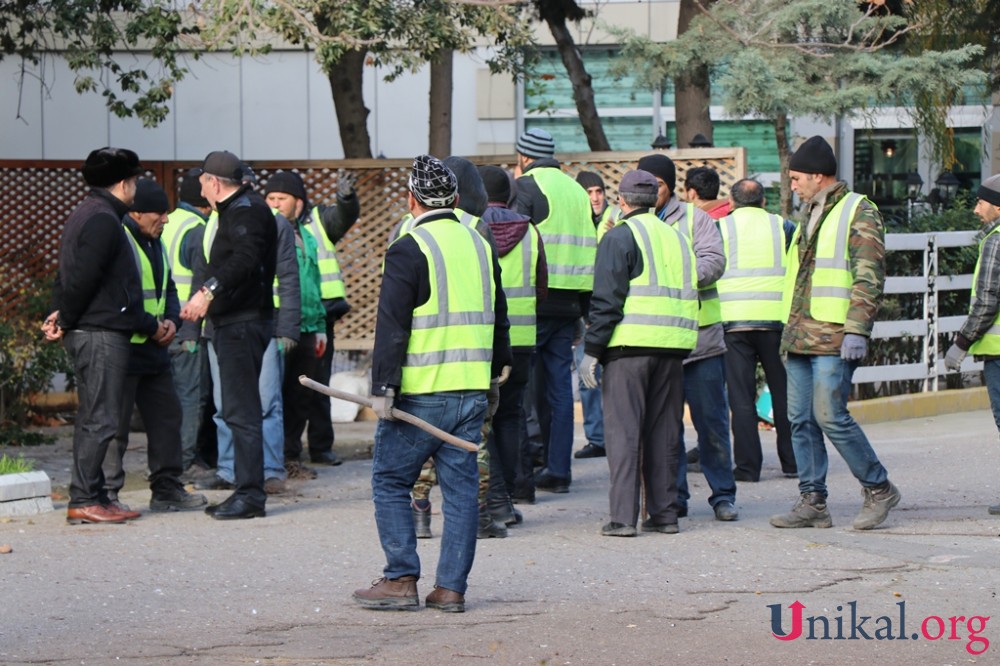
(432, 183)
(536, 143)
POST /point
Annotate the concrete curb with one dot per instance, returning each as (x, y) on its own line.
(919, 405)
(25, 494)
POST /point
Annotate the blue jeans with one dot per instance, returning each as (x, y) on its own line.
(400, 452)
(991, 369)
(818, 389)
(186, 368)
(705, 394)
(555, 358)
(590, 401)
(271, 375)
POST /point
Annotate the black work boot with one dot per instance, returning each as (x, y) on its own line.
(489, 527)
(422, 518)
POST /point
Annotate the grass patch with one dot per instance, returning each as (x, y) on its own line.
(18, 465)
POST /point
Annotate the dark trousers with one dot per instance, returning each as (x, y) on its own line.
(100, 361)
(161, 413)
(240, 347)
(207, 449)
(643, 400)
(745, 349)
(508, 422)
(320, 433)
(298, 400)
(555, 362)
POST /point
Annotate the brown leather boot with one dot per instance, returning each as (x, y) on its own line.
(396, 594)
(446, 601)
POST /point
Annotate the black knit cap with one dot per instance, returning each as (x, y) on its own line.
(589, 179)
(989, 191)
(106, 166)
(149, 197)
(497, 183)
(661, 167)
(814, 156)
(223, 164)
(287, 182)
(432, 183)
(191, 189)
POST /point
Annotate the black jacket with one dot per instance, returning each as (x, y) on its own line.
(405, 286)
(97, 286)
(242, 259)
(150, 358)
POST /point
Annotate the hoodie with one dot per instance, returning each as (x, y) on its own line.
(508, 229)
(471, 191)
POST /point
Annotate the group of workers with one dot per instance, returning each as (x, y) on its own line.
(485, 286)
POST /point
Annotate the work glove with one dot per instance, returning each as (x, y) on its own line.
(286, 345)
(345, 184)
(588, 371)
(383, 404)
(320, 345)
(493, 397)
(953, 359)
(854, 347)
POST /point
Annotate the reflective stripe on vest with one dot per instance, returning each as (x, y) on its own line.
(610, 218)
(518, 274)
(451, 337)
(568, 233)
(710, 309)
(989, 344)
(151, 303)
(407, 223)
(751, 288)
(179, 223)
(331, 281)
(830, 293)
(661, 308)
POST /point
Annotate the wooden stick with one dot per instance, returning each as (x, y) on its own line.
(446, 437)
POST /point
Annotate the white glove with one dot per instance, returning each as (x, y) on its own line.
(953, 359)
(588, 371)
(320, 345)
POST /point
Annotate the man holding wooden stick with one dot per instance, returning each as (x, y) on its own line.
(441, 337)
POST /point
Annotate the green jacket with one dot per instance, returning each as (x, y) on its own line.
(313, 313)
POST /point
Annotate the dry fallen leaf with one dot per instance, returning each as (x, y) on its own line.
(5, 548)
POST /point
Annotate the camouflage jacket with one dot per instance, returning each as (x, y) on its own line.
(866, 250)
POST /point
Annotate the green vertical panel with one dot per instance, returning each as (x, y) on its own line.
(757, 136)
(551, 87)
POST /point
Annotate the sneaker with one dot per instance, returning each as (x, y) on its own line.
(385, 594)
(591, 451)
(662, 528)
(809, 511)
(180, 500)
(618, 530)
(274, 486)
(726, 511)
(876, 506)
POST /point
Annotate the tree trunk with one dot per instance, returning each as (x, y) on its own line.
(781, 137)
(692, 90)
(346, 78)
(583, 92)
(442, 85)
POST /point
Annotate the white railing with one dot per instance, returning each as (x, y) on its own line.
(928, 328)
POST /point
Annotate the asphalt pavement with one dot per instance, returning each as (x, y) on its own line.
(182, 588)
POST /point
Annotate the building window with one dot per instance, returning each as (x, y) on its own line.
(882, 161)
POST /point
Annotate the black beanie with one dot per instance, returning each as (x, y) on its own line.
(660, 166)
(191, 189)
(287, 182)
(149, 197)
(814, 156)
(497, 183)
(589, 179)
(989, 191)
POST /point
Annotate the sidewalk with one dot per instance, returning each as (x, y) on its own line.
(185, 589)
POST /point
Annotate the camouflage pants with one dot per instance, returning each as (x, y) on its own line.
(428, 475)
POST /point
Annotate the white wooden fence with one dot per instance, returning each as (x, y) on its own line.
(930, 284)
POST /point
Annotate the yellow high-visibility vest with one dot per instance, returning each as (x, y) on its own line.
(989, 344)
(519, 276)
(331, 280)
(710, 311)
(830, 297)
(151, 303)
(661, 308)
(752, 287)
(179, 223)
(568, 233)
(451, 336)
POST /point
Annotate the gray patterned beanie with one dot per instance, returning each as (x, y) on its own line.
(432, 183)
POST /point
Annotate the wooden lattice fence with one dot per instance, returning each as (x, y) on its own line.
(38, 196)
